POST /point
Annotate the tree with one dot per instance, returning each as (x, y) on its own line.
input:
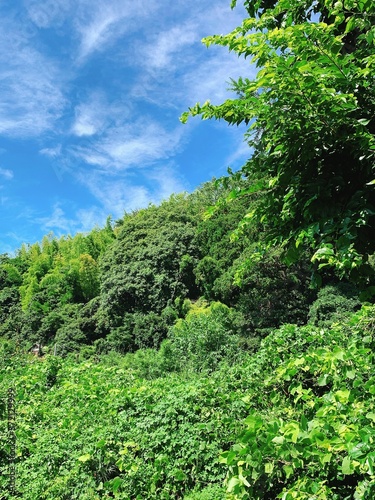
(151, 261)
(311, 116)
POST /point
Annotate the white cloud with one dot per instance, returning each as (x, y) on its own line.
(115, 195)
(96, 113)
(49, 12)
(87, 121)
(166, 182)
(30, 84)
(240, 154)
(60, 223)
(159, 53)
(119, 194)
(84, 220)
(56, 221)
(54, 152)
(100, 23)
(97, 33)
(110, 122)
(135, 145)
(177, 70)
(6, 174)
(88, 218)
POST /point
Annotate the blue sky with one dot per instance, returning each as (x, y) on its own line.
(91, 94)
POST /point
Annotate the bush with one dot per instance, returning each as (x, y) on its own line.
(213, 492)
(204, 338)
(334, 304)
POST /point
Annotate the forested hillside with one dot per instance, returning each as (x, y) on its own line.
(121, 288)
(219, 345)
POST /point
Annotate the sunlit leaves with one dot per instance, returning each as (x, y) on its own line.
(310, 110)
(320, 430)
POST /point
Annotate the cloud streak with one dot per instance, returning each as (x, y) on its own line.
(6, 174)
(101, 23)
(135, 145)
(32, 99)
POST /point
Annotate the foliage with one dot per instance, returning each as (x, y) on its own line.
(293, 420)
(148, 266)
(300, 412)
(317, 441)
(40, 286)
(217, 250)
(124, 293)
(266, 291)
(204, 338)
(333, 304)
(92, 430)
(209, 493)
(146, 390)
(137, 331)
(311, 114)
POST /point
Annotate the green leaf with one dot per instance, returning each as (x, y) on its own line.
(322, 381)
(278, 439)
(232, 483)
(346, 466)
(116, 484)
(253, 422)
(289, 471)
(350, 25)
(268, 468)
(342, 396)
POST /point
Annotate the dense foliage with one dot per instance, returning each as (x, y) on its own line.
(184, 353)
(311, 113)
(294, 420)
(122, 287)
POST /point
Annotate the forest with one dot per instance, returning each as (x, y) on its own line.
(219, 345)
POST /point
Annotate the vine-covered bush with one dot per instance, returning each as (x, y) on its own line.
(317, 437)
(205, 337)
(333, 304)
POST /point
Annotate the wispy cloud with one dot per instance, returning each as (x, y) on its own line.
(178, 71)
(100, 23)
(118, 194)
(53, 152)
(83, 220)
(115, 195)
(32, 99)
(49, 12)
(89, 117)
(96, 113)
(88, 218)
(57, 221)
(211, 79)
(96, 88)
(166, 182)
(6, 173)
(134, 145)
(167, 45)
(240, 153)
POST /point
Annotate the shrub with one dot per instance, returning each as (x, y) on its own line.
(334, 304)
(205, 337)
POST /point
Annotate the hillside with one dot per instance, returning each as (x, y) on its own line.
(219, 345)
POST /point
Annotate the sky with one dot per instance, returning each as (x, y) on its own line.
(91, 92)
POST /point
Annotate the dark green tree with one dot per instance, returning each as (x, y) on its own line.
(151, 262)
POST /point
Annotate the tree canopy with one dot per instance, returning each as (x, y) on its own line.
(310, 111)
